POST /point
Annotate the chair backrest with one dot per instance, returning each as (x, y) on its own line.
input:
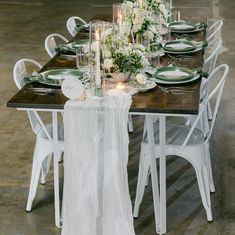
(19, 72)
(217, 91)
(51, 43)
(72, 24)
(214, 30)
(211, 54)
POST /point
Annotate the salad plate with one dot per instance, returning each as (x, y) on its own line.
(55, 77)
(184, 26)
(175, 75)
(148, 85)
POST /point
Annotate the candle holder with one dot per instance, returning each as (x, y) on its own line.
(96, 38)
(118, 13)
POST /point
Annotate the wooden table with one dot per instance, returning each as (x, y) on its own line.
(152, 103)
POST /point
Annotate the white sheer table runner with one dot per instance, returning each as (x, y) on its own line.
(96, 198)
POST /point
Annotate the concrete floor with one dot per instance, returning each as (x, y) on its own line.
(24, 24)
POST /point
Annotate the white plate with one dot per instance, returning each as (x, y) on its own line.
(142, 87)
(175, 82)
(184, 52)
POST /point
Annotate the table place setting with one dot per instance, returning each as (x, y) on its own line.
(69, 49)
(183, 46)
(184, 26)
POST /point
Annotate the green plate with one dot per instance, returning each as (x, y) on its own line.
(142, 87)
(179, 46)
(182, 26)
(55, 77)
(174, 74)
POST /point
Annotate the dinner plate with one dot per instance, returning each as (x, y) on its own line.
(182, 25)
(179, 46)
(178, 82)
(186, 27)
(174, 74)
(184, 52)
(55, 77)
(142, 87)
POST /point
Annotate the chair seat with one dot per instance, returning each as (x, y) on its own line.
(176, 135)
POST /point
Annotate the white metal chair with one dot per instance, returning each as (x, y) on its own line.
(210, 59)
(211, 55)
(51, 43)
(189, 143)
(44, 146)
(214, 30)
(72, 24)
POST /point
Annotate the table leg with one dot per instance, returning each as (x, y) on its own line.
(56, 169)
(162, 169)
(153, 169)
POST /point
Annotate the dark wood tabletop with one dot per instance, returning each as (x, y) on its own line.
(157, 100)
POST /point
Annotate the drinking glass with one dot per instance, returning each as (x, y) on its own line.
(82, 59)
(82, 63)
(176, 15)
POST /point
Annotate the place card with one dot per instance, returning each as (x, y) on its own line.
(73, 89)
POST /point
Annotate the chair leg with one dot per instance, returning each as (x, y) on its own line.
(130, 124)
(147, 180)
(209, 111)
(203, 183)
(37, 163)
(45, 168)
(208, 160)
(142, 178)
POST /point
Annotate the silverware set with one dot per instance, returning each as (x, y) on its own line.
(176, 89)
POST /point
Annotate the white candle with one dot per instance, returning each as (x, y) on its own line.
(97, 58)
(121, 86)
(141, 2)
(178, 13)
(119, 22)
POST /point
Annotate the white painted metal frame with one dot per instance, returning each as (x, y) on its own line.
(159, 193)
(50, 43)
(56, 158)
(71, 24)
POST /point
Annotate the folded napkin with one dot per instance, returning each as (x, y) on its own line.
(178, 46)
(182, 27)
(68, 49)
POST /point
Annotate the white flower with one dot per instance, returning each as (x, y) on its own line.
(108, 63)
(163, 10)
(129, 4)
(107, 53)
(148, 34)
(153, 29)
(140, 78)
(106, 33)
(140, 47)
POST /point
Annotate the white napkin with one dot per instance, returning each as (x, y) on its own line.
(183, 26)
(179, 46)
(173, 74)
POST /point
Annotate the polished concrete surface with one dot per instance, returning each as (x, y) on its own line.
(24, 25)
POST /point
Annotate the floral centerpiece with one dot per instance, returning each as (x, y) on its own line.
(119, 56)
(122, 54)
(147, 19)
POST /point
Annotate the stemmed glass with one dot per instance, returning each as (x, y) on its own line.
(82, 63)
